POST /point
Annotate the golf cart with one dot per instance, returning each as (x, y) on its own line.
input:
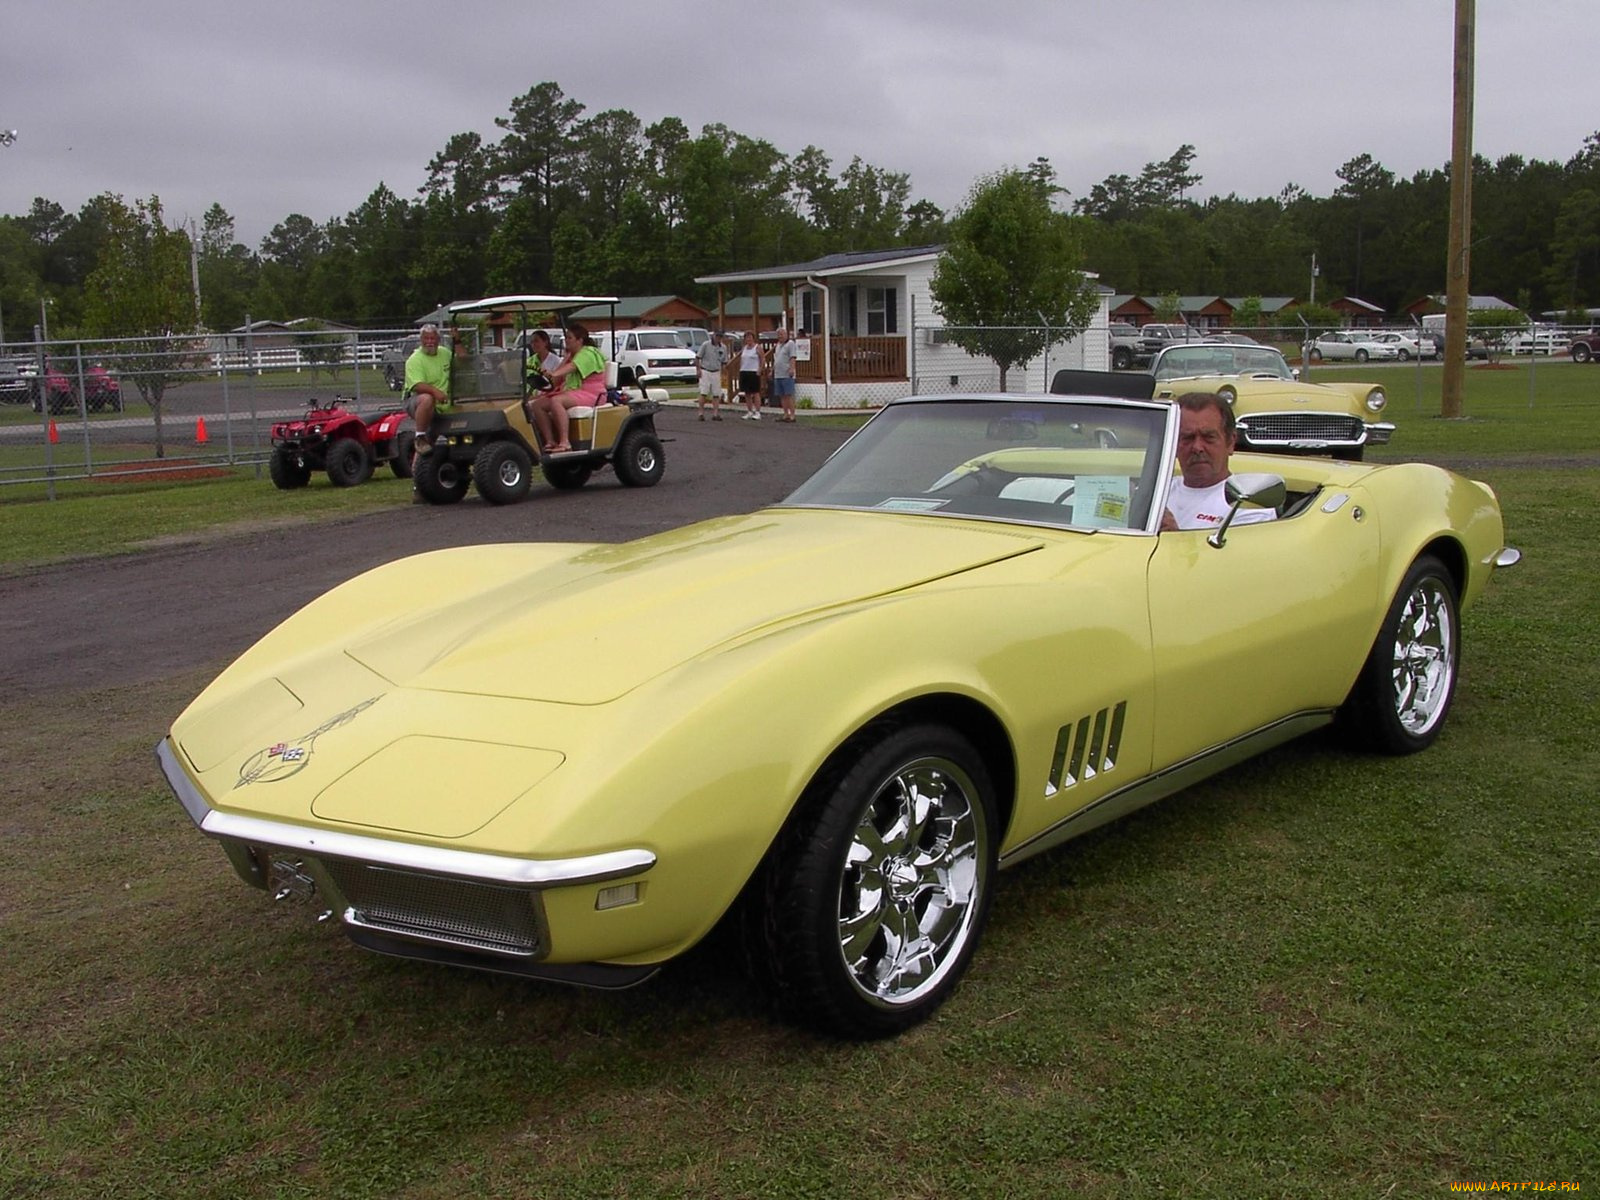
(486, 437)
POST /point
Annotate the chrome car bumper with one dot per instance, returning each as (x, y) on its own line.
(424, 902)
(1310, 432)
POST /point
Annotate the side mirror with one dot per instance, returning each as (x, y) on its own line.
(1262, 490)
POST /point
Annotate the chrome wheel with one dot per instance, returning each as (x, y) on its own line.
(916, 867)
(1402, 696)
(873, 900)
(1424, 657)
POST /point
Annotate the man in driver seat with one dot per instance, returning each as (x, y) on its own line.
(1205, 440)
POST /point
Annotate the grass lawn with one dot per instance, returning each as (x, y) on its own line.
(1319, 974)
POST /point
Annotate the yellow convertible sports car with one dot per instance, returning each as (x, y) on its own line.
(963, 641)
(1274, 408)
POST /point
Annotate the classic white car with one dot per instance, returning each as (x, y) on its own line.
(1352, 346)
(1406, 346)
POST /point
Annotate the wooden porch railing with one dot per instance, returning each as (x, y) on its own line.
(855, 359)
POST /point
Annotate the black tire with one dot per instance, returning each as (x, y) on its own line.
(1361, 356)
(1121, 358)
(1581, 352)
(503, 472)
(287, 474)
(391, 378)
(1405, 355)
(856, 877)
(568, 477)
(1316, 355)
(439, 480)
(1405, 689)
(405, 449)
(349, 463)
(61, 402)
(639, 459)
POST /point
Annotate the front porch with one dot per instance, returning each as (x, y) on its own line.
(851, 359)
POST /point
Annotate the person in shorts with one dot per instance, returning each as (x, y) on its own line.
(427, 384)
(783, 357)
(750, 378)
(711, 358)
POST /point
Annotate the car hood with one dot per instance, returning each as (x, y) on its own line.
(1275, 395)
(591, 625)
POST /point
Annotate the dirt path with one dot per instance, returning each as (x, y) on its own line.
(143, 617)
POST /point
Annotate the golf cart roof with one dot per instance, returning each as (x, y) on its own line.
(509, 305)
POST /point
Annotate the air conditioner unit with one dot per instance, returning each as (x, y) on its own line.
(935, 335)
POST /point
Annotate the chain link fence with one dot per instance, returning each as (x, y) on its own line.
(183, 404)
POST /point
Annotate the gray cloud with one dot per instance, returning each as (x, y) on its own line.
(303, 107)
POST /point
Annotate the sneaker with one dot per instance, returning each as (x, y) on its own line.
(755, 416)
(747, 416)
(702, 416)
(716, 417)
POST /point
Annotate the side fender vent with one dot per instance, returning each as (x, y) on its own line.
(1086, 748)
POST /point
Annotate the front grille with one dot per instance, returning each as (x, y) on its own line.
(1263, 428)
(431, 908)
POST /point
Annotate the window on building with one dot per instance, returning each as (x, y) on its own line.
(883, 310)
(810, 311)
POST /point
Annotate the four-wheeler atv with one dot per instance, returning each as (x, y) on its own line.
(332, 438)
(487, 438)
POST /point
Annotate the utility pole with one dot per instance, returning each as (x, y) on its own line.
(1457, 267)
(194, 268)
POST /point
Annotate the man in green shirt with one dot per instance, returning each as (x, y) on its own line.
(427, 383)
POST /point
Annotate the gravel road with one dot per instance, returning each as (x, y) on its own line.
(177, 606)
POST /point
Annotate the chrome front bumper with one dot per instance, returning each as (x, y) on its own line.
(462, 904)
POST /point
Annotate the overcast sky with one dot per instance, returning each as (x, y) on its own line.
(300, 107)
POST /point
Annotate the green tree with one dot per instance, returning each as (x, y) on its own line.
(1575, 248)
(1365, 182)
(140, 290)
(1495, 327)
(535, 163)
(321, 346)
(20, 285)
(227, 272)
(289, 252)
(1248, 314)
(1010, 269)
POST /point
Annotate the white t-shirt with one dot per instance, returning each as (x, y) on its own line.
(750, 358)
(1205, 508)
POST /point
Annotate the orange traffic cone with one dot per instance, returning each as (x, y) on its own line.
(200, 432)
(54, 436)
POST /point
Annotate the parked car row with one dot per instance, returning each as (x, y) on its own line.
(58, 390)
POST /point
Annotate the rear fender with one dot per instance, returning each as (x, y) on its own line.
(386, 426)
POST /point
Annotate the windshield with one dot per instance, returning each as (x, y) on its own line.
(1040, 462)
(659, 341)
(1194, 362)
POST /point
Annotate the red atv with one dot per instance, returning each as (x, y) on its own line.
(338, 441)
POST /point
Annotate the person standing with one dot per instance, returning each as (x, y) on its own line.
(783, 357)
(711, 358)
(750, 378)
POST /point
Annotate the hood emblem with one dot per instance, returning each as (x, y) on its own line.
(278, 762)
